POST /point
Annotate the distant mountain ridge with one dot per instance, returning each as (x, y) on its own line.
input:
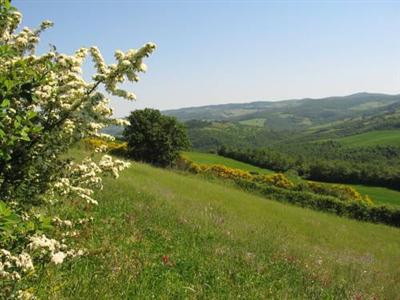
(292, 114)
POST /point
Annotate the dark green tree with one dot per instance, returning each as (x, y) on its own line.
(155, 138)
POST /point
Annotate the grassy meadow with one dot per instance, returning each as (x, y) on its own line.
(380, 195)
(158, 233)
(372, 138)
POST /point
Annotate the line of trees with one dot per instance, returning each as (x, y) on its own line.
(319, 169)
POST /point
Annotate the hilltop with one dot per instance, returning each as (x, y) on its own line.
(290, 114)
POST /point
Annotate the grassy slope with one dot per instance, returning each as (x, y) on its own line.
(372, 138)
(379, 194)
(212, 159)
(220, 242)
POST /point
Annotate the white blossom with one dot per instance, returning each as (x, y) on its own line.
(58, 257)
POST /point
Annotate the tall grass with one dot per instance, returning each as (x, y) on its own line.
(161, 234)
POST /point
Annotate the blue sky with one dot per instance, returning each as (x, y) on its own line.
(212, 52)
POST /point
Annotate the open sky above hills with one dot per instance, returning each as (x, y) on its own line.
(213, 52)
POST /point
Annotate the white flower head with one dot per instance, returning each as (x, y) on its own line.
(58, 257)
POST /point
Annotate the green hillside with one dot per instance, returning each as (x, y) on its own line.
(380, 195)
(293, 114)
(253, 122)
(214, 159)
(372, 138)
(162, 234)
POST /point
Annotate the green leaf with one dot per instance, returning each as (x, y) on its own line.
(25, 137)
(31, 114)
(8, 84)
(5, 103)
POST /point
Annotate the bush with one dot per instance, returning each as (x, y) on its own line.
(46, 106)
(337, 199)
(114, 147)
(154, 138)
(342, 192)
(278, 180)
(351, 209)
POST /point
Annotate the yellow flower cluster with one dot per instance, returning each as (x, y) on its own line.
(278, 180)
(343, 192)
(98, 144)
(225, 172)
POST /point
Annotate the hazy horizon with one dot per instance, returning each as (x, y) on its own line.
(235, 52)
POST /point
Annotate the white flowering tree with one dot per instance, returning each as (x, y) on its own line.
(45, 107)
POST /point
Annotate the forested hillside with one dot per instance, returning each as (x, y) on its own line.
(294, 114)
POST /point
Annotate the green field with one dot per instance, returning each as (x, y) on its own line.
(214, 159)
(160, 234)
(372, 138)
(380, 195)
(253, 122)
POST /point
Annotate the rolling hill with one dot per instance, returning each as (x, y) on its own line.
(160, 233)
(293, 114)
(372, 138)
(264, 124)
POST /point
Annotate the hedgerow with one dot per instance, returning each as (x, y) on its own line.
(338, 199)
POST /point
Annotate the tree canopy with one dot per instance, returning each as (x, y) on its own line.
(155, 138)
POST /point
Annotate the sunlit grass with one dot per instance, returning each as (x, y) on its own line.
(161, 234)
(372, 138)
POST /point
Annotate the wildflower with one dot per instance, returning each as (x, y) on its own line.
(165, 259)
(58, 257)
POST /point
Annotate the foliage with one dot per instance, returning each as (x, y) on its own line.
(207, 135)
(45, 107)
(264, 158)
(113, 147)
(278, 180)
(154, 138)
(360, 210)
(339, 191)
(214, 159)
(338, 199)
(328, 164)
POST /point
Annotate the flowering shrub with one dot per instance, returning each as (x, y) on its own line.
(46, 106)
(343, 192)
(338, 199)
(97, 144)
(278, 180)
(225, 172)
